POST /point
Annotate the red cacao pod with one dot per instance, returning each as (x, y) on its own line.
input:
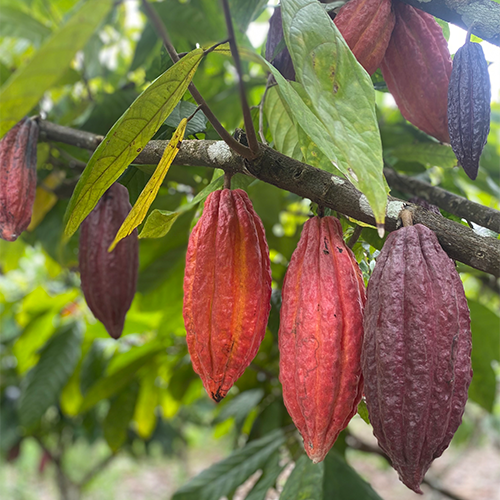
(366, 26)
(17, 178)
(469, 97)
(227, 290)
(417, 351)
(321, 335)
(109, 279)
(417, 67)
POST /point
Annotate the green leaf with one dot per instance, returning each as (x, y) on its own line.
(44, 383)
(270, 472)
(19, 24)
(184, 109)
(240, 406)
(342, 121)
(224, 477)
(363, 411)
(158, 224)
(282, 127)
(147, 401)
(120, 413)
(111, 384)
(485, 326)
(26, 87)
(342, 482)
(128, 136)
(428, 153)
(244, 12)
(305, 482)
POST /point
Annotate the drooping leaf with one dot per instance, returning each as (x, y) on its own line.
(158, 224)
(224, 477)
(305, 482)
(141, 207)
(128, 136)
(26, 87)
(342, 121)
(270, 472)
(147, 401)
(185, 109)
(44, 383)
(485, 327)
(342, 482)
(120, 413)
(240, 406)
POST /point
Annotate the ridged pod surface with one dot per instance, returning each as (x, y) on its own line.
(366, 26)
(469, 97)
(109, 279)
(321, 335)
(417, 351)
(227, 290)
(17, 178)
(417, 67)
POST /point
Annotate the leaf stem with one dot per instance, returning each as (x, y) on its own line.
(224, 134)
(247, 115)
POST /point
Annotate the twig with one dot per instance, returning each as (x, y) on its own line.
(247, 115)
(357, 444)
(224, 134)
(261, 111)
(355, 236)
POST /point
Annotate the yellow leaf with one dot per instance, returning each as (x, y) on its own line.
(45, 199)
(141, 207)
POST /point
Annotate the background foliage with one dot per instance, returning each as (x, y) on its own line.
(65, 384)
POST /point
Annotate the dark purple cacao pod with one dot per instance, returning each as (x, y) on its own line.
(469, 97)
(416, 357)
(281, 60)
(109, 278)
(17, 178)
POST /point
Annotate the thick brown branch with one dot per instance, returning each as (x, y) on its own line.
(482, 15)
(452, 203)
(325, 189)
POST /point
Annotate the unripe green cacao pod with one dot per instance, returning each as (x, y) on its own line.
(17, 178)
(417, 351)
(366, 26)
(417, 68)
(109, 279)
(469, 97)
(321, 335)
(227, 290)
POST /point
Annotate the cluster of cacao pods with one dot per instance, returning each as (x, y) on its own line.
(17, 178)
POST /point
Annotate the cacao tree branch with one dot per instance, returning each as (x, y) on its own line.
(224, 134)
(482, 15)
(460, 242)
(452, 203)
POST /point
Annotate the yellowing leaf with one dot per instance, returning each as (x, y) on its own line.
(45, 199)
(141, 207)
(128, 136)
(158, 224)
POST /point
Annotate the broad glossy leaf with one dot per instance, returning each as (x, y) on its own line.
(128, 136)
(342, 121)
(141, 206)
(427, 153)
(305, 482)
(185, 109)
(158, 224)
(485, 326)
(26, 87)
(224, 477)
(44, 383)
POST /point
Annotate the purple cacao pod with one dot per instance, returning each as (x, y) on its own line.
(17, 178)
(109, 279)
(280, 60)
(416, 357)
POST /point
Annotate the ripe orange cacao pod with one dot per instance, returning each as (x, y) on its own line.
(417, 67)
(17, 178)
(366, 26)
(417, 351)
(469, 96)
(227, 290)
(109, 279)
(321, 335)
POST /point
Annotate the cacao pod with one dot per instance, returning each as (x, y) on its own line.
(417, 67)
(17, 178)
(321, 335)
(227, 290)
(425, 204)
(366, 26)
(282, 60)
(469, 97)
(109, 279)
(416, 356)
